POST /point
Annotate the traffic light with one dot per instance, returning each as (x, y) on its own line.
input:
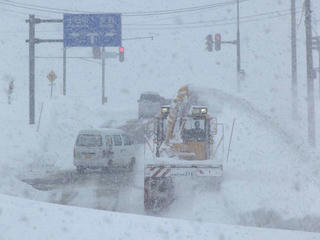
(121, 54)
(209, 42)
(217, 42)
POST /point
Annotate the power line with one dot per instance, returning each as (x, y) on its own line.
(34, 6)
(209, 23)
(199, 24)
(26, 7)
(179, 10)
(128, 14)
(14, 12)
(212, 21)
(215, 23)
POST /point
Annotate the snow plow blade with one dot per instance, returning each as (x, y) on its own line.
(182, 170)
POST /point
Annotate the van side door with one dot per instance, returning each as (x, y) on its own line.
(118, 150)
(128, 145)
(109, 148)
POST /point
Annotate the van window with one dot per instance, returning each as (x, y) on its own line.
(117, 140)
(126, 140)
(109, 141)
(89, 140)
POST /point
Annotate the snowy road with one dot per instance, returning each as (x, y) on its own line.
(110, 190)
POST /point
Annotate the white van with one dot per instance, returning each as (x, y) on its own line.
(103, 148)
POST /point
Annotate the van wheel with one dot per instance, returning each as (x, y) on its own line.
(80, 169)
(131, 164)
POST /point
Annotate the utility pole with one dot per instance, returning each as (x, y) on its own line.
(103, 57)
(294, 89)
(310, 76)
(238, 48)
(64, 70)
(319, 65)
(316, 46)
(32, 23)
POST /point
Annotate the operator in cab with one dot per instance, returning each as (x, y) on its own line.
(197, 133)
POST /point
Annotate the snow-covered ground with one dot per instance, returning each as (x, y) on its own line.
(271, 178)
(25, 219)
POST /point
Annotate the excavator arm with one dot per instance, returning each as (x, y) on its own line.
(180, 107)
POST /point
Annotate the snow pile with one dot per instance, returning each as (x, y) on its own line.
(35, 220)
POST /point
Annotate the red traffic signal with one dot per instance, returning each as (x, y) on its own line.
(121, 54)
(217, 42)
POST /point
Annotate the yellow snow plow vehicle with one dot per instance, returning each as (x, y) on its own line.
(184, 147)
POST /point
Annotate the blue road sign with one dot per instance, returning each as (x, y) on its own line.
(92, 30)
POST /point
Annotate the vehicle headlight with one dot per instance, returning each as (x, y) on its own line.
(203, 110)
(165, 110)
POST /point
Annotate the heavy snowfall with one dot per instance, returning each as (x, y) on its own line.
(270, 183)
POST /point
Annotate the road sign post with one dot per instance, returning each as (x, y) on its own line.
(51, 77)
(103, 76)
(93, 30)
(64, 70)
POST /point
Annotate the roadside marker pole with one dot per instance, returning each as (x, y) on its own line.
(230, 139)
(38, 127)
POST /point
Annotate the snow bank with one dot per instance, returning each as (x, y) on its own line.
(35, 220)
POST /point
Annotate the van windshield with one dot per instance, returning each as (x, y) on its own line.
(89, 140)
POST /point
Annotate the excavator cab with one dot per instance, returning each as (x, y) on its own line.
(195, 133)
(196, 126)
(194, 130)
